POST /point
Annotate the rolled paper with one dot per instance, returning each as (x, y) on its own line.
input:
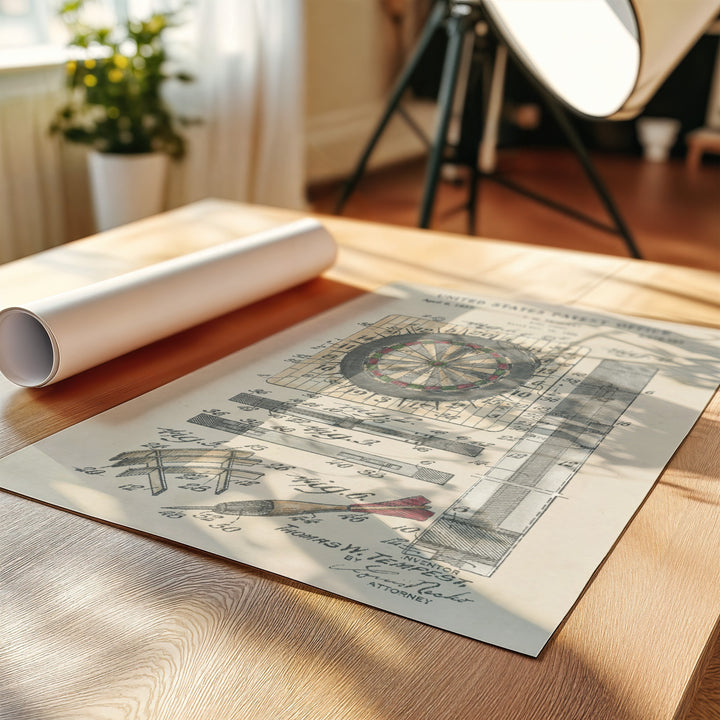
(53, 338)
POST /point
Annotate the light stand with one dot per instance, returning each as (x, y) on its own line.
(460, 18)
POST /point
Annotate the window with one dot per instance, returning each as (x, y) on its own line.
(31, 33)
(23, 23)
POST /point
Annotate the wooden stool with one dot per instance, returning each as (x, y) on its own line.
(701, 141)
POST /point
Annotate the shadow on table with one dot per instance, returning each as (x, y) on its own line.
(97, 620)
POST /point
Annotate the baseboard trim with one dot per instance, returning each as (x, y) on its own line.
(334, 140)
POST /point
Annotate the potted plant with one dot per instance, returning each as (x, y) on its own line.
(115, 106)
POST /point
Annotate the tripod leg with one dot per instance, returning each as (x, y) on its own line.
(434, 21)
(473, 192)
(482, 128)
(491, 127)
(577, 145)
(456, 27)
(463, 86)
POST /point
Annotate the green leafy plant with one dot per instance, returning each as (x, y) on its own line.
(114, 88)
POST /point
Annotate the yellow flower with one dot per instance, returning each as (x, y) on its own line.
(115, 75)
(71, 66)
(89, 64)
(155, 24)
(90, 80)
(120, 61)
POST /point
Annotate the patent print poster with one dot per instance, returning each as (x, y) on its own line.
(464, 462)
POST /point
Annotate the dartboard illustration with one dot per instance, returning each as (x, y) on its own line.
(437, 366)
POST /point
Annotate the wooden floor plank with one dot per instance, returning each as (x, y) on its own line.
(673, 213)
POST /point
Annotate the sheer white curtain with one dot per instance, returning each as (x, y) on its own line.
(31, 198)
(248, 58)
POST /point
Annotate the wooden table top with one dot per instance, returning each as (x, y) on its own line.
(99, 622)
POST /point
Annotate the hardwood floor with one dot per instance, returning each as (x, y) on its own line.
(673, 213)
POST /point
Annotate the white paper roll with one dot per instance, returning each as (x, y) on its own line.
(50, 339)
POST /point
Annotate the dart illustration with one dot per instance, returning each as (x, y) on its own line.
(411, 508)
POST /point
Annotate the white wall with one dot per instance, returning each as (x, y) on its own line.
(352, 55)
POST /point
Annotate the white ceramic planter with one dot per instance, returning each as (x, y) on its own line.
(657, 136)
(126, 187)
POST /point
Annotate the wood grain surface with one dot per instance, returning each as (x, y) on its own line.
(98, 622)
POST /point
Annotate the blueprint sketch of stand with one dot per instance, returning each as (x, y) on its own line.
(157, 464)
(465, 462)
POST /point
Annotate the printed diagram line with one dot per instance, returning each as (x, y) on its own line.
(158, 463)
(480, 529)
(409, 508)
(377, 462)
(371, 427)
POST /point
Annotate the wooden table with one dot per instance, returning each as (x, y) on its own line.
(98, 622)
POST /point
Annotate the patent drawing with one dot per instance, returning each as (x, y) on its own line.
(483, 526)
(435, 366)
(379, 427)
(410, 508)
(221, 465)
(432, 369)
(465, 462)
(254, 429)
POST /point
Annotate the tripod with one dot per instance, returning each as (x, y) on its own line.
(460, 18)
